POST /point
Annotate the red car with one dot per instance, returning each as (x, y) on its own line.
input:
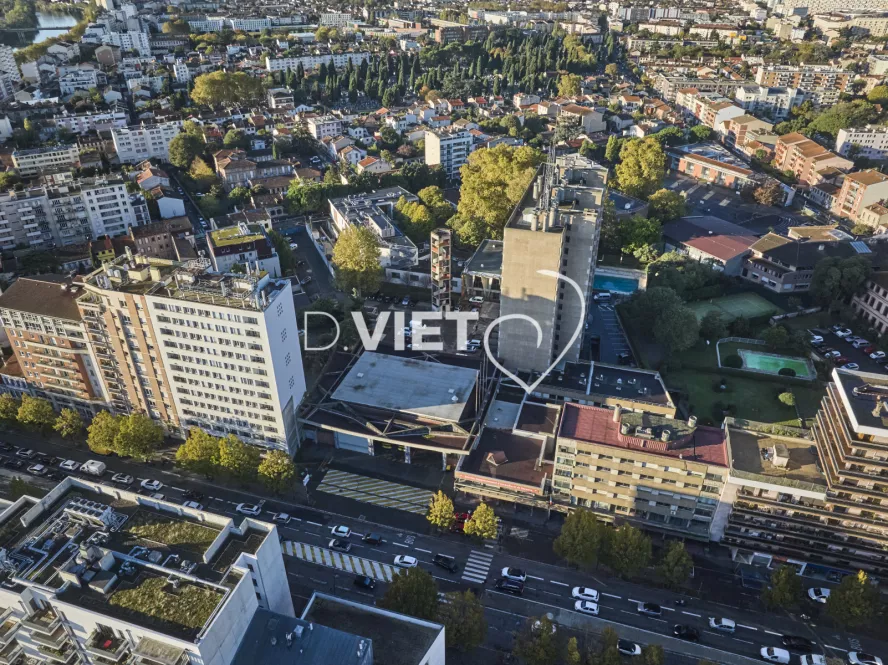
(869, 349)
(841, 360)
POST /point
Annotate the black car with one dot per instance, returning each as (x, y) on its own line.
(7, 447)
(364, 582)
(446, 562)
(340, 545)
(506, 585)
(798, 643)
(13, 464)
(650, 609)
(191, 495)
(372, 539)
(686, 632)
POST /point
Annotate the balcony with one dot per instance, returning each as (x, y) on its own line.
(54, 640)
(66, 655)
(11, 653)
(107, 646)
(43, 621)
(7, 630)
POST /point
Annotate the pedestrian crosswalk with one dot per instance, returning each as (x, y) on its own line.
(477, 566)
(351, 564)
(376, 492)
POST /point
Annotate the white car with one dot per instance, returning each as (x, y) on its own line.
(774, 655)
(844, 332)
(586, 607)
(861, 658)
(248, 509)
(851, 366)
(280, 518)
(584, 593)
(37, 469)
(70, 465)
(859, 343)
(404, 561)
(877, 355)
(818, 594)
(538, 624)
(193, 504)
(122, 479)
(514, 574)
(418, 324)
(341, 531)
(628, 648)
(722, 625)
(816, 339)
(151, 485)
(812, 659)
(832, 354)
(476, 300)
(24, 453)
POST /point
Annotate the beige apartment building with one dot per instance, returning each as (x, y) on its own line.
(821, 83)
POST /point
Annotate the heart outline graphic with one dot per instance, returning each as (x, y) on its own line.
(508, 317)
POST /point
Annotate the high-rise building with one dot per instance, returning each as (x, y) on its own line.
(8, 64)
(140, 142)
(555, 228)
(822, 84)
(441, 248)
(449, 147)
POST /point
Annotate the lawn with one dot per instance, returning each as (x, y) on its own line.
(749, 305)
(155, 602)
(171, 531)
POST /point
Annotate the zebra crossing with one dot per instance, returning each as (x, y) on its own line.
(376, 492)
(382, 572)
(477, 566)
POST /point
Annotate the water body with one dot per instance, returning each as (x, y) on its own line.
(48, 25)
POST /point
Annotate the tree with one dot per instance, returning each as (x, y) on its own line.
(776, 337)
(36, 413)
(228, 88)
(638, 233)
(785, 590)
(583, 540)
(9, 407)
(854, 602)
(569, 85)
(285, 254)
(238, 458)
(573, 655)
(199, 453)
(277, 471)
(238, 195)
(676, 564)
(235, 138)
(612, 149)
(769, 193)
(493, 181)
(69, 423)
(652, 654)
(356, 259)
(441, 511)
(787, 398)
(536, 643)
(176, 27)
(611, 69)
(842, 116)
(138, 436)
(630, 551)
(463, 618)
(433, 198)
(642, 167)
(102, 432)
(413, 592)
(183, 149)
(482, 523)
(713, 326)
(664, 205)
(204, 177)
(677, 329)
(878, 95)
(834, 279)
(701, 132)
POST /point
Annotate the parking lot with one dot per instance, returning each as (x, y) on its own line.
(848, 352)
(603, 323)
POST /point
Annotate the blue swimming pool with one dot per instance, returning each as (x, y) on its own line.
(615, 284)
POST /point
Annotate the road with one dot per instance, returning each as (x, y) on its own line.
(547, 589)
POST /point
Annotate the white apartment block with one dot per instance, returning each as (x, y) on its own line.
(8, 86)
(335, 19)
(140, 142)
(87, 122)
(450, 149)
(39, 160)
(25, 219)
(181, 72)
(250, 24)
(8, 64)
(310, 62)
(771, 103)
(323, 126)
(85, 595)
(206, 23)
(110, 209)
(129, 41)
(809, 7)
(872, 141)
(822, 84)
(80, 78)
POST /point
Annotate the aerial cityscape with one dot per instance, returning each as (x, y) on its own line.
(425, 332)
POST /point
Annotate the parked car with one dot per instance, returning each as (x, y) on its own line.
(514, 574)
(193, 504)
(341, 531)
(869, 349)
(505, 585)
(650, 609)
(584, 593)
(586, 607)
(37, 470)
(859, 343)
(843, 332)
(365, 582)
(6, 447)
(476, 300)
(775, 655)
(877, 355)
(446, 562)
(628, 648)
(280, 518)
(248, 509)
(24, 453)
(151, 485)
(815, 339)
(70, 465)
(339, 545)
(404, 561)
(831, 353)
(851, 366)
(862, 658)
(812, 659)
(798, 643)
(818, 594)
(372, 539)
(841, 360)
(686, 632)
(191, 495)
(122, 479)
(722, 625)
(13, 464)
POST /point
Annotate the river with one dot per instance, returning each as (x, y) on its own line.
(49, 25)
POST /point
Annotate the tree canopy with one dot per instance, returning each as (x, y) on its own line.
(642, 167)
(356, 260)
(836, 279)
(223, 87)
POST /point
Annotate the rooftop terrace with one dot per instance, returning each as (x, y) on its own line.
(781, 461)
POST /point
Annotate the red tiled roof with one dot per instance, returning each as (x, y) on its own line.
(596, 425)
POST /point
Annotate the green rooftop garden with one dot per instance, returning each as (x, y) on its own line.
(153, 601)
(232, 236)
(171, 531)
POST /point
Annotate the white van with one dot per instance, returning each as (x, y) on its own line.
(93, 467)
(604, 296)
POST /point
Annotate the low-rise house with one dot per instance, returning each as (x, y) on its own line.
(711, 240)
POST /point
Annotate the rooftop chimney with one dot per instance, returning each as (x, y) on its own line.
(618, 412)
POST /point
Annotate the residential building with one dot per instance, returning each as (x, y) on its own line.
(668, 85)
(84, 123)
(92, 599)
(806, 158)
(738, 131)
(136, 41)
(108, 56)
(243, 378)
(870, 142)
(870, 24)
(872, 304)
(711, 162)
(374, 211)
(310, 62)
(859, 190)
(554, 228)
(280, 99)
(181, 71)
(8, 65)
(335, 19)
(25, 219)
(460, 33)
(158, 239)
(140, 142)
(45, 329)
(589, 120)
(768, 102)
(243, 245)
(250, 23)
(72, 79)
(822, 84)
(448, 148)
(710, 108)
(201, 24)
(323, 126)
(808, 7)
(50, 159)
(441, 262)
(710, 240)
(875, 216)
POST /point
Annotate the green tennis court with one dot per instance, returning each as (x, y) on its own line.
(772, 363)
(749, 305)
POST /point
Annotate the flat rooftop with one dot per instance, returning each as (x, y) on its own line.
(862, 393)
(754, 453)
(610, 382)
(505, 456)
(537, 418)
(487, 261)
(419, 387)
(397, 640)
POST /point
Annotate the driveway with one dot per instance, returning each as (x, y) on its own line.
(603, 322)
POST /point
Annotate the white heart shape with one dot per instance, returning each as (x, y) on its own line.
(529, 388)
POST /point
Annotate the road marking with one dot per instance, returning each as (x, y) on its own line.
(836, 648)
(178, 489)
(495, 609)
(691, 614)
(632, 600)
(313, 523)
(401, 545)
(559, 583)
(359, 535)
(708, 196)
(610, 595)
(668, 609)
(737, 639)
(740, 625)
(419, 549)
(771, 632)
(725, 203)
(534, 577)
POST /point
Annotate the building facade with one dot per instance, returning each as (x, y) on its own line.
(140, 142)
(50, 159)
(449, 149)
(822, 84)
